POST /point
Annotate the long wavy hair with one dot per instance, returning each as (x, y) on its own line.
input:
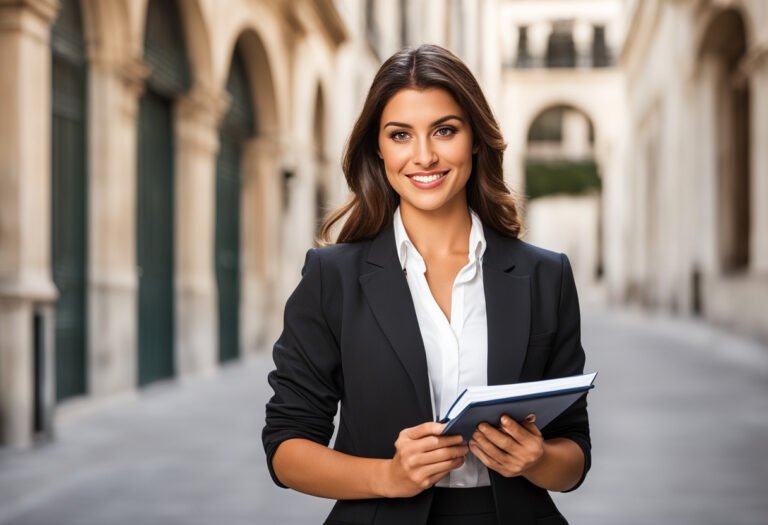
(373, 201)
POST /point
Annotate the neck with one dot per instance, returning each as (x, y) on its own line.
(438, 233)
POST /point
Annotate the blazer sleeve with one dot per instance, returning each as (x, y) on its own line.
(567, 359)
(307, 376)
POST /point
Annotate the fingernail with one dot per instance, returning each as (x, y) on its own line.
(504, 420)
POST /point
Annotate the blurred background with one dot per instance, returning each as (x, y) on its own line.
(165, 164)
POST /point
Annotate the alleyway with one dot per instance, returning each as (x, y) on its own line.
(680, 436)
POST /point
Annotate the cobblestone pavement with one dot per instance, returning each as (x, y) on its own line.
(679, 427)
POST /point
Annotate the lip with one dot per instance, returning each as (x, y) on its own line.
(428, 185)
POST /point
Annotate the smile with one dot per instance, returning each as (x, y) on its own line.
(427, 180)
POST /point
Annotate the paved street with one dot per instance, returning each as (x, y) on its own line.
(680, 436)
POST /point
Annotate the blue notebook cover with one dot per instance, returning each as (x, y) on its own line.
(547, 406)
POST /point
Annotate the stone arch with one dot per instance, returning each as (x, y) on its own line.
(562, 115)
(563, 180)
(599, 122)
(713, 15)
(723, 49)
(261, 189)
(260, 76)
(235, 130)
(197, 41)
(594, 115)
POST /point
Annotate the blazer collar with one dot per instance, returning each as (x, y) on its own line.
(389, 297)
(507, 297)
(508, 308)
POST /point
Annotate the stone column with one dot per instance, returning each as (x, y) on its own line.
(27, 292)
(298, 218)
(115, 86)
(759, 165)
(261, 217)
(491, 55)
(538, 37)
(196, 129)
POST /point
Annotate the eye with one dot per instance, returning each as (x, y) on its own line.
(399, 136)
(445, 131)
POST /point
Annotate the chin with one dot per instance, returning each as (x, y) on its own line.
(426, 204)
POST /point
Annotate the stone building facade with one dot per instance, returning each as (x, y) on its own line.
(164, 165)
(695, 225)
(560, 73)
(157, 159)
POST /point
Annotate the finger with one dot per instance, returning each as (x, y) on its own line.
(484, 458)
(499, 438)
(427, 443)
(432, 480)
(489, 448)
(430, 428)
(440, 455)
(511, 427)
(442, 468)
(437, 476)
(531, 427)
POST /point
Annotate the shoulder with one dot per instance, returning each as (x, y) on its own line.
(337, 262)
(342, 254)
(526, 257)
(536, 254)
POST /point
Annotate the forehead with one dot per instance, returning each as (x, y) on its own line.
(416, 106)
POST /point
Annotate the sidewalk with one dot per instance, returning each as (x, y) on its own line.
(679, 422)
(679, 426)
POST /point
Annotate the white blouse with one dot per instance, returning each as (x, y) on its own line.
(457, 351)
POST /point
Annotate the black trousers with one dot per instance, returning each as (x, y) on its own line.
(473, 506)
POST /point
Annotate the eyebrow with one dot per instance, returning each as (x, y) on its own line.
(435, 123)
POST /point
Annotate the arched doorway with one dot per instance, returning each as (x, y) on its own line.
(563, 188)
(724, 47)
(165, 54)
(237, 127)
(69, 201)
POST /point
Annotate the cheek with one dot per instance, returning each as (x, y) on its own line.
(459, 153)
(394, 159)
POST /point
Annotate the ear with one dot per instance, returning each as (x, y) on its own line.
(378, 152)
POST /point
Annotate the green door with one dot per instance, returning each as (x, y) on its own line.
(237, 126)
(155, 238)
(228, 245)
(164, 53)
(68, 199)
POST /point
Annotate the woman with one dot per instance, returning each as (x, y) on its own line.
(427, 291)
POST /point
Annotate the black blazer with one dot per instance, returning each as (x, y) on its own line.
(351, 335)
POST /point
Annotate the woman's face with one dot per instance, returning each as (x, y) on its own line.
(425, 142)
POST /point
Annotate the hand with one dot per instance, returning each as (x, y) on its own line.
(422, 458)
(511, 450)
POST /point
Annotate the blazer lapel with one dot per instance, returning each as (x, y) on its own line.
(508, 310)
(389, 297)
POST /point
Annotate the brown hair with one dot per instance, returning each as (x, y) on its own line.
(373, 200)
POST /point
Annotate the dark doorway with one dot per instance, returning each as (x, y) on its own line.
(69, 190)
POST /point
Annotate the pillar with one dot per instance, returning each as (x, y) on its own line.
(759, 163)
(115, 86)
(196, 128)
(27, 292)
(262, 212)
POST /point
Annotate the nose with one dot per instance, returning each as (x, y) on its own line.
(425, 155)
